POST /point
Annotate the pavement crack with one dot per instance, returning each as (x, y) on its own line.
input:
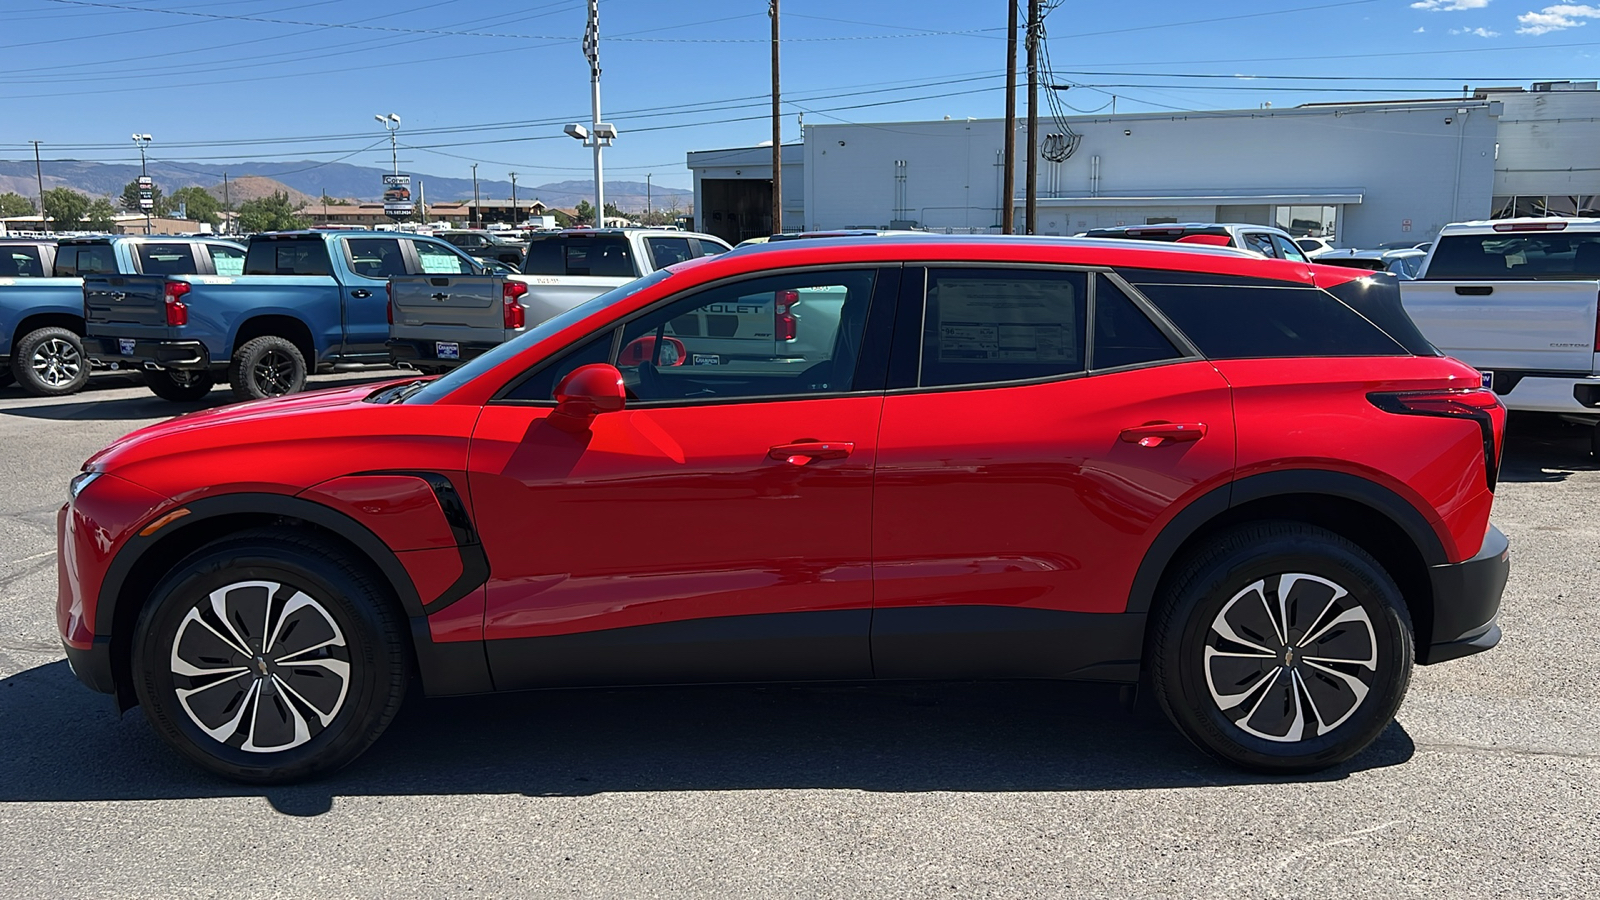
(1489, 750)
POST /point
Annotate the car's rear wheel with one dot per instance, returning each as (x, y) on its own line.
(265, 367)
(270, 657)
(49, 362)
(179, 385)
(1281, 647)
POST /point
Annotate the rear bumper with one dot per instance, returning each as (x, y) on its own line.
(1542, 393)
(1466, 602)
(166, 354)
(406, 351)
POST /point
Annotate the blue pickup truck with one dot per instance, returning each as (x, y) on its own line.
(41, 297)
(306, 301)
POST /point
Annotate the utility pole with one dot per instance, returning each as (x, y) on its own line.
(477, 217)
(647, 177)
(513, 198)
(38, 171)
(391, 124)
(227, 205)
(1032, 211)
(1008, 203)
(777, 129)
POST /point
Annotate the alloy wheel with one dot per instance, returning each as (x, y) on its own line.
(260, 666)
(274, 373)
(56, 362)
(1290, 657)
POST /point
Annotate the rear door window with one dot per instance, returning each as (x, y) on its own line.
(438, 260)
(166, 259)
(227, 260)
(74, 260)
(21, 262)
(375, 257)
(992, 325)
(1123, 334)
(606, 256)
(305, 256)
(704, 247)
(1287, 249)
(1258, 242)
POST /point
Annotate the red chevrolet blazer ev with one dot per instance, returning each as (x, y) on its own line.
(1249, 484)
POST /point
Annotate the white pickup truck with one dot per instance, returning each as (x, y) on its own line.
(439, 320)
(1517, 298)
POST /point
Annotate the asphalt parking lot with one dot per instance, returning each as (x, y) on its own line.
(1485, 786)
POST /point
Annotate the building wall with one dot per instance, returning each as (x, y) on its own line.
(1549, 143)
(752, 166)
(1422, 163)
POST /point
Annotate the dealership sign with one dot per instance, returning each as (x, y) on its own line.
(147, 193)
(397, 196)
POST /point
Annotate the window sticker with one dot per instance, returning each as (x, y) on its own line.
(1007, 321)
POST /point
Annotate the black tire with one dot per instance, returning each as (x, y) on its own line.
(326, 705)
(180, 385)
(1240, 700)
(49, 362)
(1594, 441)
(268, 366)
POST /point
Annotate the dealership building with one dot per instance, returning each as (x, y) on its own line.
(1364, 173)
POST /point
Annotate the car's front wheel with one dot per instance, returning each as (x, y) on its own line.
(270, 657)
(1281, 647)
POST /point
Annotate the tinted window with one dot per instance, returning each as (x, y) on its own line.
(607, 256)
(438, 260)
(707, 247)
(85, 259)
(1258, 242)
(1123, 334)
(305, 256)
(1378, 299)
(1531, 254)
(21, 262)
(771, 336)
(541, 385)
(376, 257)
(668, 251)
(987, 325)
(1229, 322)
(227, 260)
(166, 259)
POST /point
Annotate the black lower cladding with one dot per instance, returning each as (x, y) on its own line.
(914, 643)
(170, 354)
(1466, 600)
(1006, 642)
(92, 665)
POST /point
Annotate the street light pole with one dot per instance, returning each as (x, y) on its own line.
(477, 217)
(391, 124)
(513, 198)
(38, 171)
(141, 141)
(596, 134)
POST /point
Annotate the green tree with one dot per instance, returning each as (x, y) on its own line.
(562, 219)
(101, 215)
(198, 205)
(14, 204)
(273, 212)
(130, 199)
(585, 213)
(65, 208)
(613, 213)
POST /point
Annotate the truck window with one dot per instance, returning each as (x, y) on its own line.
(376, 257)
(73, 260)
(166, 259)
(1531, 255)
(303, 256)
(437, 260)
(668, 251)
(603, 256)
(228, 260)
(21, 262)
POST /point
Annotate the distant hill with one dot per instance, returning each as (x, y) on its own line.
(311, 179)
(254, 187)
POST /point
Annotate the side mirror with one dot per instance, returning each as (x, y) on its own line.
(586, 392)
(643, 349)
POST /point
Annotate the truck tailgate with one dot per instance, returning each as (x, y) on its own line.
(448, 307)
(124, 300)
(1546, 326)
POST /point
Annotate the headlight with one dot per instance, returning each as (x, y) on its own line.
(79, 482)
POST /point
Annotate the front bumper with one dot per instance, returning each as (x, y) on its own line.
(165, 354)
(1466, 602)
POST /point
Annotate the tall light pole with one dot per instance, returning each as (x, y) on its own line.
(777, 129)
(477, 217)
(391, 124)
(38, 171)
(142, 141)
(1031, 207)
(513, 198)
(1008, 203)
(598, 134)
(647, 177)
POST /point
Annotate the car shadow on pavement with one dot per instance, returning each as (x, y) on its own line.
(62, 743)
(149, 406)
(1544, 448)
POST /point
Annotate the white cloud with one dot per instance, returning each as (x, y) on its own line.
(1419, 30)
(1480, 32)
(1449, 5)
(1556, 18)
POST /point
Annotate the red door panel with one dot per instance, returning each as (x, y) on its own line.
(676, 543)
(1032, 498)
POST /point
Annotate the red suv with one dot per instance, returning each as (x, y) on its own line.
(1250, 484)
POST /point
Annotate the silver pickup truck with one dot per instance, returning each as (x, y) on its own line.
(438, 320)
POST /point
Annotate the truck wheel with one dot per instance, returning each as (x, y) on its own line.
(180, 386)
(265, 367)
(49, 362)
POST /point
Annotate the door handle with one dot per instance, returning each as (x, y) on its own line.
(439, 296)
(361, 293)
(801, 453)
(1157, 434)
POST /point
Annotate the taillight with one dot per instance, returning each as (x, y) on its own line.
(516, 315)
(177, 310)
(388, 306)
(1476, 404)
(784, 323)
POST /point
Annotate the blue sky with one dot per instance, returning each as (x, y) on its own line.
(221, 80)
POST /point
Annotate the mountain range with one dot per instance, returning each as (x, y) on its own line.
(313, 179)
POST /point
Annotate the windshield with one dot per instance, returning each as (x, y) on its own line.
(534, 335)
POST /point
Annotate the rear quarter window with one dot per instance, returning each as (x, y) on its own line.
(606, 256)
(1228, 321)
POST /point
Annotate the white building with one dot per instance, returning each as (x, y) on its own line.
(1364, 172)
